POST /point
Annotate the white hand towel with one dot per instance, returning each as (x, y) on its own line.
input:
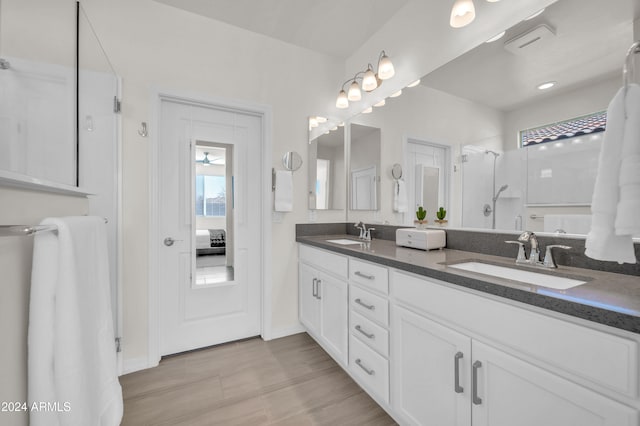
(71, 358)
(602, 242)
(400, 203)
(628, 214)
(284, 191)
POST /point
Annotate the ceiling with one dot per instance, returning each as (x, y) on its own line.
(333, 27)
(590, 43)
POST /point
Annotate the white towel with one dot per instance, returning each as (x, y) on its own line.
(628, 214)
(400, 203)
(284, 191)
(71, 357)
(602, 242)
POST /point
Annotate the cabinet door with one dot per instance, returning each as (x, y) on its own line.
(334, 315)
(426, 356)
(514, 392)
(308, 303)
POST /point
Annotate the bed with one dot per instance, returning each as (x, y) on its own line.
(210, 241)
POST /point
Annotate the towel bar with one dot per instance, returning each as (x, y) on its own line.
(27, 230)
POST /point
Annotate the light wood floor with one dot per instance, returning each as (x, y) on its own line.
(288, 381)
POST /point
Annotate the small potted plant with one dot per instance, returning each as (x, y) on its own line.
(441, 214)
(421, 214)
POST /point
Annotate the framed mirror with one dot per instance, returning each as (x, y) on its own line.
(476, 107)
(327, 183)
(364, 167)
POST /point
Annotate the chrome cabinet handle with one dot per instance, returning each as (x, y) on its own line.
(368, 335)
(474, 397)
(365, 276)
(318, 295)
(314, 288)
(370, 372)
(361, 303)
(456, 372)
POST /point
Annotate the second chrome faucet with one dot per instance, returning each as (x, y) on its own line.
(534, 254)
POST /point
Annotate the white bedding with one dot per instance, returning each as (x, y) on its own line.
(203, 238)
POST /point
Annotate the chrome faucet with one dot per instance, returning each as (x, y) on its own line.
(365, 234)
(534, 254)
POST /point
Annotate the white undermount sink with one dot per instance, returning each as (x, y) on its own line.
(529, 277)
(343, 241)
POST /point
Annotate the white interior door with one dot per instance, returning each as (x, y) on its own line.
(363, 189)
(423, 156)
(193, 315)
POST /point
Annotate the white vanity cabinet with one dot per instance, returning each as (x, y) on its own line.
(322, 299)
(446, 373)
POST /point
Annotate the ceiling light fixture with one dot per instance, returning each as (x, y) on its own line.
(462, 13)
(496, 37)
(538, 13)
(414, 84)
(370, 81)
(547, 85)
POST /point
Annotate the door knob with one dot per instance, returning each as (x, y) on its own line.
(169, 241)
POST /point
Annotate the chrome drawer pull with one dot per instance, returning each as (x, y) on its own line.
(476, 400)
(456, 372)
(318, 295)
(366, 370)
(369, 307)
(369, 335)
(368, 277)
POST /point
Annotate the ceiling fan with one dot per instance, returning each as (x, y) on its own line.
(207, 162)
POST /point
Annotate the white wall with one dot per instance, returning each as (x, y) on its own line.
(179, 51)
(20, 207)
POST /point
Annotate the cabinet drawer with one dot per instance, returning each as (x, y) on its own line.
(321, 259)
(369, 275)
(369, 305)
(371, 369)
(594, 358)
(370, 333)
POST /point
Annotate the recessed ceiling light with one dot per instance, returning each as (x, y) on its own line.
(414, 84)
(396, 94)
(496, 37)
(538, 13)
(547, 85)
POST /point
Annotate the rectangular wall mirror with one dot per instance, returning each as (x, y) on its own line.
(364, 167)
(327, 183)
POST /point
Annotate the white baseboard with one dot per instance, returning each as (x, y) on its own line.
(286, 331)
(135, 364)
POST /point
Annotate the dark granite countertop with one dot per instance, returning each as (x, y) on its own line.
(607, 298)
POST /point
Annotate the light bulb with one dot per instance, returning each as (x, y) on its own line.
(321, 119)
(354, 92)
(369, 82)
(342, 102)
(462, 13)
(385, 67)
(313, 122)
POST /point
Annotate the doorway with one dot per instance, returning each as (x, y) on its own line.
(209, 244)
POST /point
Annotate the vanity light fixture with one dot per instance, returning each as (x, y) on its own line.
(396, 94)
(313, 122)
(379, 104)
(547, 85)
(414, 84)
(321, 119)
(341, 124)
(370, 81)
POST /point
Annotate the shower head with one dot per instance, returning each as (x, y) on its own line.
(4, 64)
(488, 151)
(502, 188)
